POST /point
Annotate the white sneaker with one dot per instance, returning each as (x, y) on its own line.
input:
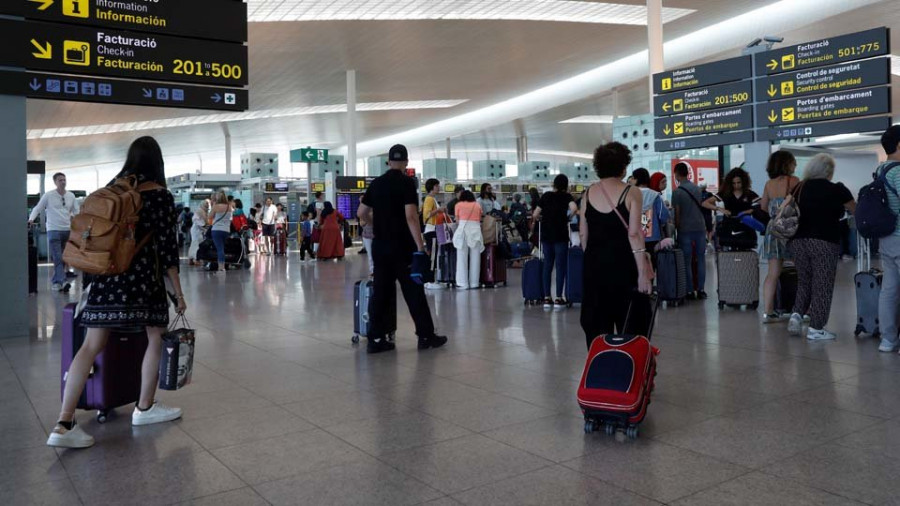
(61, 437)
(158, 413)
(820, 335)
(795, 325)
(773, 318)
(56, 287)
(434, 286)
(887, 347)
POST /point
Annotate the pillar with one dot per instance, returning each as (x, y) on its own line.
(14, 311)
(227, 133)
(351, 123)
(655, 42)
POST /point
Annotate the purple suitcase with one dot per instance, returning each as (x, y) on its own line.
(493, 268)
(116, 378)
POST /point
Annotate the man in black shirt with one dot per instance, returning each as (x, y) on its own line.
(391, 205)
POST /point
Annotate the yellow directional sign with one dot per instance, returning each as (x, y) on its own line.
(678, 104)
(76, 8)
(772, 65)
(667, 130)
(788, 62)
(772, 117)
(787, 88)
(787, 114)
(679, 128)
(44, 52)
(45, 4)
(76, 52)
(772, 91)
(667, 107)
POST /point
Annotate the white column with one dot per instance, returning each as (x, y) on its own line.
(351, 123)
(655, 41)
(14, 315)
(227, 133)
(448, 149)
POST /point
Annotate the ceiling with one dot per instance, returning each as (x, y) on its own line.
(301, 64)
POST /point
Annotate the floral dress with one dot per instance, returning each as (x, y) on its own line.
(772, 247)
(137, 297)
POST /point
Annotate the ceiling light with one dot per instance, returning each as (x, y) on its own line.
(544, 152)
(571, 11)
(895, 65)
(602, 119)
(55, 133)
(837, 138)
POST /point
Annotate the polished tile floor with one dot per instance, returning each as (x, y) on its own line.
(284, 410)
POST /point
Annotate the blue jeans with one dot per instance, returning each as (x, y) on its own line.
(558, 253)
(58, 240)
(694, 242)
(218, 237)
(890, 290)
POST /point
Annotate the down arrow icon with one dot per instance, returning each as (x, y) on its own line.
(35, 85)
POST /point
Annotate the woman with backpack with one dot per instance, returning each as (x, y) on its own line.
(782, 182)
(135, 298)
(816, 245)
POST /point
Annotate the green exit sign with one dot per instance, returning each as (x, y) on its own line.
(309, 155)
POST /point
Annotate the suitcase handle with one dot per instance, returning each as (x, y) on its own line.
(654, 304)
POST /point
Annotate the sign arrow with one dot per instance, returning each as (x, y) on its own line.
(667, 130)
(216, 98)
(44, 53)
(772, 65)
(666, 107)
(779, 134)
(772, 117)
(147, 93)
(772, 90)
(35, 84)
(45, 4)
(310, 155)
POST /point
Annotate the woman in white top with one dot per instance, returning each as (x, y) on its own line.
(198, 230)
(221, 226)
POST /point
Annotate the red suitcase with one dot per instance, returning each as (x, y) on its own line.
(618, 377)
(116, 377)
(493, 268)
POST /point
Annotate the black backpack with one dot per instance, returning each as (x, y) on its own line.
(874, 216)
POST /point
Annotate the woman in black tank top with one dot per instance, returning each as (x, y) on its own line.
(614, 266)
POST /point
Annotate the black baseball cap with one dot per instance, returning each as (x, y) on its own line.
(398, 153)
(890, 139)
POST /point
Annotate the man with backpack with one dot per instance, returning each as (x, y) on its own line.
(889, 300)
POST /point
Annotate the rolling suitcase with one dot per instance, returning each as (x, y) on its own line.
(738, 277)
(618, 379)
(786, 291)
(671, 277)
(447, 264)
(868, 291)
(280, 242)
(575, 276)
(493, 268)
(115, 379)
(532, 282)
(362, 295)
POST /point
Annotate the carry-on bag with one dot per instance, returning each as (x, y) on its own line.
(618, 377)
(447, 264)
(115, 379)
(532, 276)
(362, 295)
(671, 277)
(738, 277)
(868, 291)
(735, 236)
(786, 291)
(493, 266)
(280, 242)
(574, 276)
(176, 364)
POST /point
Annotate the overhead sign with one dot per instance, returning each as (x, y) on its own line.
(114, 91)
(709, 122)
(854, 46)
(351, 184)
(702, 99)
(846, 76)
(309, 155)
(707, 74)
(850, 126)
(113, 53)
(207, 19)
(705, 141)
(849, 104)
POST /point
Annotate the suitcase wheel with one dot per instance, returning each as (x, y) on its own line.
(589, 426)
(101, 416)
(610, 429)
(721, 305)
(632, 432)
(355, 339)
(754, 306)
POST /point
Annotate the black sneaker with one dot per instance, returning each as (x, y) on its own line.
(379, 346)
(432, 342)
(71, 275)
(702, 295)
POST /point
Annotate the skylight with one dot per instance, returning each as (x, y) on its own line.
(602, 119)
(571, 11)
(55, 133)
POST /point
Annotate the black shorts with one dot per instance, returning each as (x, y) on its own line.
(268, 230)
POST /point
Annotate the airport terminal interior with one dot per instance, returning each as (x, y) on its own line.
(299, 102)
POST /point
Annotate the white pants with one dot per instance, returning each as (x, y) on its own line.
(196, 239)
(468, 267)
(367, 243)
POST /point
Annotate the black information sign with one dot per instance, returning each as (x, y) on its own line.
(846, 76)
(854, 46)
(351, 184)
(206, 19)
(850, 126)
(848, 104)
(115, 91)
(733, 69)
(98, 51)
(705, 141)
(702, 99)
(709, 122)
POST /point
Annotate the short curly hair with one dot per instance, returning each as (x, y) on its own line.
(780, 164)
(611, 160)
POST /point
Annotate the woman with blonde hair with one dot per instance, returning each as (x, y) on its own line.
(220, 216)
(816, 246)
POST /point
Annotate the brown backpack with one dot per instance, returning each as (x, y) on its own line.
(102, 239)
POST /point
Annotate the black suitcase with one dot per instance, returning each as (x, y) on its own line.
(447, 264)
(786, 292)
(671, 277)
(362, 296)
